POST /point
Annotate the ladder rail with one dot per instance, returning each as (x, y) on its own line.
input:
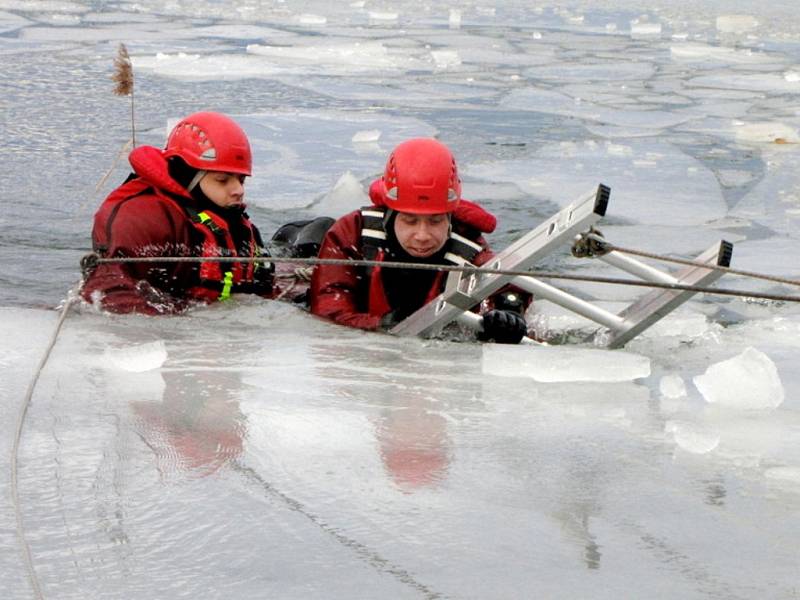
(463, 292)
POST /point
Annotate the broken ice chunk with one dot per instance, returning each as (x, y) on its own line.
(749, 380)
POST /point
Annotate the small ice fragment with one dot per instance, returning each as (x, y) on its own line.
(645, 29)
(692, 437)
(446, 58)
(550, 364)
(672, 386)
(455, 18)
(537, 35)
(367, 136)
(312, 20)
(618, 149)
(384, 16)
(138, 358)
(346, 193)
(59, 19)
(749, 381)
(736, 23)
(791, 76)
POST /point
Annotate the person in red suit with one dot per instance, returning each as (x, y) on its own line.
(184, 200)
(417, 216)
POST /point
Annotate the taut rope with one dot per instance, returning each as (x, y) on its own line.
(92, 259)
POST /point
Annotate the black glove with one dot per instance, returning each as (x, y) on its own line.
(263, 276)
(504, 327)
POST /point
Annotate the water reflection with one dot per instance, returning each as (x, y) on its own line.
(570, 446)
(411, 394)
(413, 440)
(575, 516)
(197, 425)
(716, 492)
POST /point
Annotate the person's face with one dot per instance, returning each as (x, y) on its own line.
(421, 235)
(226, 190)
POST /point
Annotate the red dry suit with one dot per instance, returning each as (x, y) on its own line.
(152, 215)
(356, 296)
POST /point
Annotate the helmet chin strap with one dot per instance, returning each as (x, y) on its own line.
(195, 180)
(387, 217)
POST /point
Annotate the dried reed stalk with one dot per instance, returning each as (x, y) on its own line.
(123, 77)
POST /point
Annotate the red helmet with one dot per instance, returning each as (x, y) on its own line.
(421, 177)
(211, 142)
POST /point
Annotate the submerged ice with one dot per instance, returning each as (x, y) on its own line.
(137, 358)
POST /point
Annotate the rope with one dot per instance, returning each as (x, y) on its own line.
(26, 550)
(608, 246)
(366, 554)
(469, 269)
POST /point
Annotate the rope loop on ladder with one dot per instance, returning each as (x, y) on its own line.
(590, 244)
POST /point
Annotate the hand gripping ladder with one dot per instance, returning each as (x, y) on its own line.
(463, 290)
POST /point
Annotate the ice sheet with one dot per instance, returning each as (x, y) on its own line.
(337, 57)
(44, 6)
(316, 461)
(299, 155)
(389, 444)
(548, 365)
(694, 52)
(652, 182)
(539, 100)
(11, 22)
(759, 82)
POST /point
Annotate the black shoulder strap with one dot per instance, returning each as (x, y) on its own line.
(373, 232)
(461, 250)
